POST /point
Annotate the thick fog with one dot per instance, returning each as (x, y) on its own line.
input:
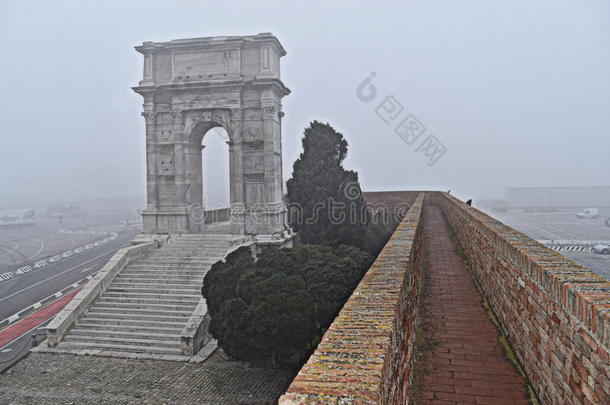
(518, 92)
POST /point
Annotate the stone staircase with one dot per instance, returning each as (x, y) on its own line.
(148, 304)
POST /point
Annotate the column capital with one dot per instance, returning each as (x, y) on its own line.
(149, 116)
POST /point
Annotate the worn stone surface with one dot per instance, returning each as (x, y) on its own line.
(191, 86)
(43, 379)
(460, 359)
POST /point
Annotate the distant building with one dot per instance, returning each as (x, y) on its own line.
(17, 217)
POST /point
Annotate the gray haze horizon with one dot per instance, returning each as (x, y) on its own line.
(518, 92)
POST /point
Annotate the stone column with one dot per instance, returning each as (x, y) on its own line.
(237, 193)
(152, 193)
(236, 172)
(179, 163)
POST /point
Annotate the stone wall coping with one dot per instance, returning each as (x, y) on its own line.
(354, 358)
(69, 315)
(576, 289)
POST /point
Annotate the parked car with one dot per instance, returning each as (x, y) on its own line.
(601, 249)
(588, 213)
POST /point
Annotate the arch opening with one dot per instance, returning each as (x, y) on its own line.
(215, 170)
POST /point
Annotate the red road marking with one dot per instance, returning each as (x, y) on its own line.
(33, 320)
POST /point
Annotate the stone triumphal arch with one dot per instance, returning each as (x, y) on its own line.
(191, 86)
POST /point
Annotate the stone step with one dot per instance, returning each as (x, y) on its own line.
(165, 272)
(190, 253)
(100, 314)
(197, 243)
(134, 348)
(169, 313)
(124, 334)
(204, 236)
(148, 301)
(159, 297)
(120, 340)
(183, 261)
(162, 278)
(196, 259)
(176, 330)
(172, 261)
(151, 288)
(136, 306)
(108, 322)
(156, 280)
(210, 241)
(171, 267)
(122, 282)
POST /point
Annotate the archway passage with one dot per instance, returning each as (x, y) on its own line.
(216, 176)
(191, 87)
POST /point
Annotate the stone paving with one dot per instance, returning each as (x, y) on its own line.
(63, 379)
(461, 360)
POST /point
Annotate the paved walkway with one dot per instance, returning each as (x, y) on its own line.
(63, 379)
(462, 361)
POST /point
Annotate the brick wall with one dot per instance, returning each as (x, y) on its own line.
(366, 355)
(555, 312)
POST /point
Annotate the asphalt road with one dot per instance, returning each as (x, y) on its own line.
(10, 351)
(27, 289)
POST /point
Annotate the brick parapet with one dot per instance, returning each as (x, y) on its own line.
(366, 355)
(555, 312)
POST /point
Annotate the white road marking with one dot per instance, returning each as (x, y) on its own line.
(6, 350)
(55, 276)
(37, 305)
(58, 294)
(87, 269)
(39, 250)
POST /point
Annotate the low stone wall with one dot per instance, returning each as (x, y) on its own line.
(65, 320)
(366, 355)
(555, 312)
(195, 333)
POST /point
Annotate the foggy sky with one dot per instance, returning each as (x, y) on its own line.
(519, 92)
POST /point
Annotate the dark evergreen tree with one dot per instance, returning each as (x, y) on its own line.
(326, 202)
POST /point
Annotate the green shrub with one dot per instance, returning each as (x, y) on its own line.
(278, 307)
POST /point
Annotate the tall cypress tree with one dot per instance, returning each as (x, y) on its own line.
(326, 202)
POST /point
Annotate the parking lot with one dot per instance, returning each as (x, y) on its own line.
(564, 232)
